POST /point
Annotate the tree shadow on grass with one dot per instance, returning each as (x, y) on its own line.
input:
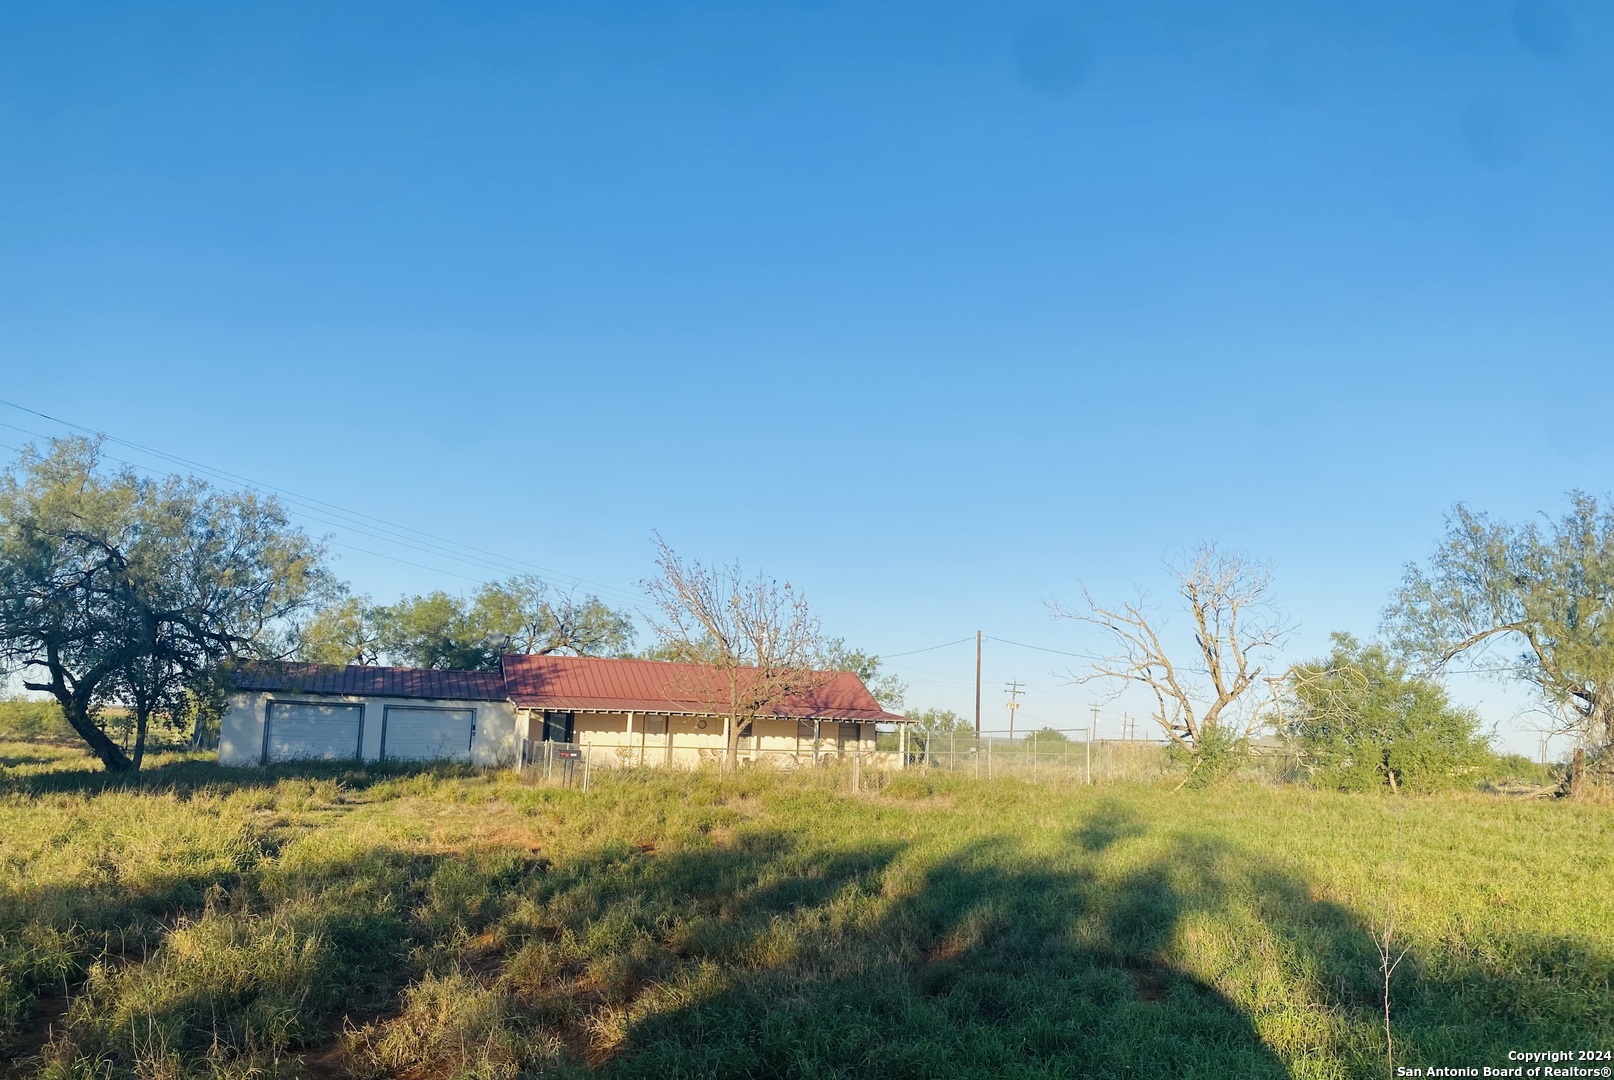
(12, 761)
(187, 776)
(994, 964)
(803, 953)
(984, 968)
(277, 963)
(1107, 825)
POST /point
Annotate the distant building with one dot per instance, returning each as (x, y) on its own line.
(629, 712)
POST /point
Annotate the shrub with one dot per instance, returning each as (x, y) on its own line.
(1360, 722)
(31, 718)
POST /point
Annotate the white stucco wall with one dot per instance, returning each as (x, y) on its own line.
(242, 729)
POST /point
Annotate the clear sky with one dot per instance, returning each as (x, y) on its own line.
(938, 309)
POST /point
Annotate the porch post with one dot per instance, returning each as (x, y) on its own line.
(628, 743)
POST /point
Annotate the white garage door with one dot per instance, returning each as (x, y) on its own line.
(412, 733)
(297, 731)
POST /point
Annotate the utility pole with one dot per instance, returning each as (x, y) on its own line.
(1014, 705)
(977, 687)
(1091, 728)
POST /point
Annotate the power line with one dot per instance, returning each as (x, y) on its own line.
(928, 648)
(401, 535)
(356, 519)
(1041, 648)
(311, 517)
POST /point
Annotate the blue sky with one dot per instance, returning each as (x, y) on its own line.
(938, 309)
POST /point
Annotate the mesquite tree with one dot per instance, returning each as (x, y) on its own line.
(438, 630)
(1547, 590)
(117, 589)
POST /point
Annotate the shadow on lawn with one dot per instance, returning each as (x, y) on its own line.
(776, 953)
(987, 967)
(188, 775)
(992, 965)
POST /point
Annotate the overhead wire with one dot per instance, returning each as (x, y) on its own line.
(303, 514)
(431, 544)
(366, 524)
(357, 520)
(1043, 648)
(928, 648)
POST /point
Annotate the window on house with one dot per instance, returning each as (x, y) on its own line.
(559, 726)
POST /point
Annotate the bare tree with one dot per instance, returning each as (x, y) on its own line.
(1203, 699)
(759, 635)
(1385, 941)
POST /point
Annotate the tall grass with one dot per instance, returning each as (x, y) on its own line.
(341, 921)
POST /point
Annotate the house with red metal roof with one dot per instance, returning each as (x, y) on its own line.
(619, 712)
(651, 712)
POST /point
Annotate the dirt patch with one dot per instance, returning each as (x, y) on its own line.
(325, 1063)
(49, 1019)
(1150, 981)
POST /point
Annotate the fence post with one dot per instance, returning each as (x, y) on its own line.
(857, 773)
(587, 757)
(989, 757)
(952, 751)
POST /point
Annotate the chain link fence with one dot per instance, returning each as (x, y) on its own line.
(1034, 757)
(1038, 756)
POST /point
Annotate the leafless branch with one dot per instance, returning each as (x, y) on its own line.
(1234, 626)
(760, 634)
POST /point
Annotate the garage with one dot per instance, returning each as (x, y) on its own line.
(305, 731)
(283, 711)
(427, 733)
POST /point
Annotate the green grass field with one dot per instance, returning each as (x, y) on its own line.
(332, 922)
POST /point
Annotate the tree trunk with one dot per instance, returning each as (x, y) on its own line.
(142, 717)
(100, 743)
(731, 749)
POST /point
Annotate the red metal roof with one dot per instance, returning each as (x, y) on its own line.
(377, 681)
(592, 684)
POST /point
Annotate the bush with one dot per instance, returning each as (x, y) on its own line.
(1361, 721)
(31, 718)
(1220, 753)
(1518, 769)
